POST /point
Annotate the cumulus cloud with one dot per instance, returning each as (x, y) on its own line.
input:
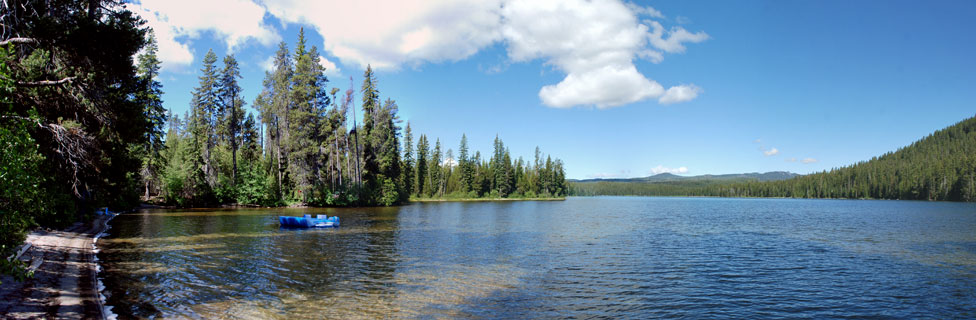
(593, 42)
(662, 169)
(809, 160)
(791, 160)
(389, 34)
(176, 21)
(680, 93)
(330, 67)
(771, 152)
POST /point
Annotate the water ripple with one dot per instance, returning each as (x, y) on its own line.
(582, 258)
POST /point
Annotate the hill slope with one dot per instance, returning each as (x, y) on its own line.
(941, 166)
(666, 184)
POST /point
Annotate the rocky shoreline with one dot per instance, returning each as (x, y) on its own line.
(64, 285)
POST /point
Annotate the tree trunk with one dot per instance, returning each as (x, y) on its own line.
(278, 151)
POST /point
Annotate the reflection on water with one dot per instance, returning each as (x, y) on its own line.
(583, 257)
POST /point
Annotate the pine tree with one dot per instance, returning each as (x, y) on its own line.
(205, 106)
(273, 103)
(370, 104)
(408, 162)
(151, 97)
(308, 102)
(233, 113)
(420, 187)
(436, 185)
(464, 164)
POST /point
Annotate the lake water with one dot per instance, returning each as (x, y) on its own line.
(617, 257)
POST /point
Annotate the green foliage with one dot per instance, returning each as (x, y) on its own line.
(77, 116)
(471, 178)
(21, 198)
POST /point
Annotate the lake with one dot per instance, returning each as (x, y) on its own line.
(617, 257)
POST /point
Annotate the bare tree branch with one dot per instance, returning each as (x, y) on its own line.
(18, 40)
(72, 147)
(44, 82)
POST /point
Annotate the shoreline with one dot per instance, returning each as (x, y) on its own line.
(65, 284)
(421, 200)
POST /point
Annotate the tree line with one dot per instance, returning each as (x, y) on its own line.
(302, 148)
(939, 167)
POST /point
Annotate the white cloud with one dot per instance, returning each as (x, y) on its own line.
(604, 87)
(449, 161)
(680, 93)
(771, 152)
(388, 34)
(791, 160)
(809, 160)
(662, 169)
(648, 11)
(676, 36)
(267, 64)
(176, 21)
(330, 67)
(594, 42)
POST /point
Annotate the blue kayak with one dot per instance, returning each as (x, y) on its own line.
(306, 221)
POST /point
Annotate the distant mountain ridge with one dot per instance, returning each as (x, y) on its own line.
(664, 177)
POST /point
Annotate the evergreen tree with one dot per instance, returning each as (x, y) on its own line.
(273, 103)
(370, 104)
(408, 162)
(421, 184)
(232, 117)
(205, 106)
(385, 139)
(308, 102)
(465, 166)
(151, 98)
(435, 183)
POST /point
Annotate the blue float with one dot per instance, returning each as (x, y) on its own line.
(306, 221)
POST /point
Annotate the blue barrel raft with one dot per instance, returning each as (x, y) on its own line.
(306, 221)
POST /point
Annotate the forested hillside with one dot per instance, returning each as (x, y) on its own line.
(666, 184)
(941, 166)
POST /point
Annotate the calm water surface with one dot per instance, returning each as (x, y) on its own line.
(618, 257)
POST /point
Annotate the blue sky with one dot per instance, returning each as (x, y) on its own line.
(620, 89)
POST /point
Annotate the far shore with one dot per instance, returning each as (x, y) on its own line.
(483, 199)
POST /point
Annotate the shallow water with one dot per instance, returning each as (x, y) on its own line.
(619, 257)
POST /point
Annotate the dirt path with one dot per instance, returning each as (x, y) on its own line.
(63, 287)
